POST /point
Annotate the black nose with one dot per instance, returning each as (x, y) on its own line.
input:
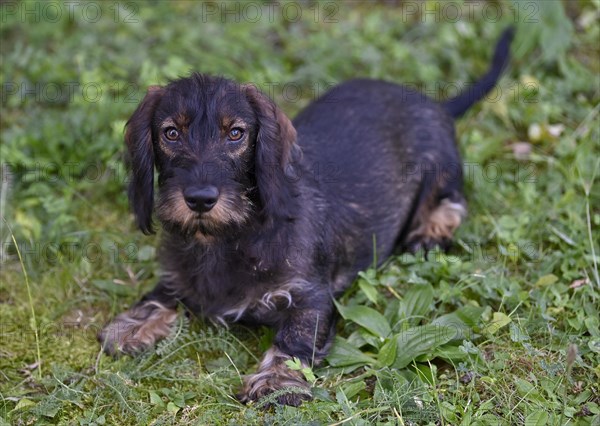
(201, 199)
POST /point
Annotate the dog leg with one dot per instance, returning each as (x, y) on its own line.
(273, 374)
(436, 226)
(306, 335)
(140, 327)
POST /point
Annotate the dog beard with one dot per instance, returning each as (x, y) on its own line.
(232, 211)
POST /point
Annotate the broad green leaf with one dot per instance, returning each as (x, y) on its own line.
(454, 322)
(450, 352)
(155, 399)
(309, 375)
(369, 291)
(366, 317)
(448, 411)
(555, 32)
(498, 321)
(420, 340)
(470, 314)
(294, 364)
(516, 334)
(417, 301)
(462, 320)
(593, 325)
(23, 403)
(321, 394)
(48, 408)
(344, 354)
(387, 353)
(370, 276)
(528, 390)
(113, 288)
(546, 280)
(427, 373)
(352, 389)
(594, 345)
(178, 399)
(172, 408)
(366, 338)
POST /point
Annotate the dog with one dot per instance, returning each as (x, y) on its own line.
(266, 221)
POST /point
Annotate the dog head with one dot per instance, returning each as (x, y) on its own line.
(222, 151)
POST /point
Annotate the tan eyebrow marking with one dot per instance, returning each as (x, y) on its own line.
(168, 123)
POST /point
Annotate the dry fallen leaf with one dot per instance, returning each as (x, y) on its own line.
(521, 150)
(555, 130)
(579, 283)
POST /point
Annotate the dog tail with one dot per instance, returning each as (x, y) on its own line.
(458, 105)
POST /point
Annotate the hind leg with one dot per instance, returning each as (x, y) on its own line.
(434, 225)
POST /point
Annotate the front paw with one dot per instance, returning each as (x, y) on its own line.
(274, 375)
(427, 244)
(137, 329)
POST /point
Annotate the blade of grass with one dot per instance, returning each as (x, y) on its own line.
(33, 324)
(587, 189)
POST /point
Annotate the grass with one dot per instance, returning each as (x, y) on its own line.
(502, 330)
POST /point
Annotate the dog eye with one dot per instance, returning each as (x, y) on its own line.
(171, 133)
(235, 134)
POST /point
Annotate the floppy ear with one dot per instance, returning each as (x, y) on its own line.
(275, 142)
(140, 159)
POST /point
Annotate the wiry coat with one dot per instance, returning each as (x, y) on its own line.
(299, 208)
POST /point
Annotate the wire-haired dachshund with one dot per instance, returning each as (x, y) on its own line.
(266, 221)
